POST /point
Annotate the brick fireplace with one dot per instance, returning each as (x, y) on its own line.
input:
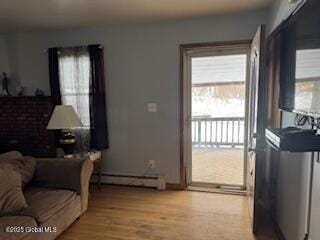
(23, 122)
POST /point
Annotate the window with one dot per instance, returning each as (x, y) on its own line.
(77, 79)
(218, 85)
(74, 78)
(74, 74)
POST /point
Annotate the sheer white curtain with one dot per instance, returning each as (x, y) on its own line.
(74, 73)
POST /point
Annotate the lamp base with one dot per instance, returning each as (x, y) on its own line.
(67, 142)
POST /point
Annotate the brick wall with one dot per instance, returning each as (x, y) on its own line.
(23, 122)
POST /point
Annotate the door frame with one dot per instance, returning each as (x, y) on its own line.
(259, 212)
(184, 99)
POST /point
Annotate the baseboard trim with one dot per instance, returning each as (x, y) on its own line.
(158, 182)
(217, 190)
(174, 186)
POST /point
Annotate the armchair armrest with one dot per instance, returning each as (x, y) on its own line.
(72, 174)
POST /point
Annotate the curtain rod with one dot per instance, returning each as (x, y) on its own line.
(47, 49)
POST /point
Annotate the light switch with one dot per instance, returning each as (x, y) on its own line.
(152, 107)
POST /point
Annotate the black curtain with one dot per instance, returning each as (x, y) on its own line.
(98, 111)
(54, 76)
(54, 83)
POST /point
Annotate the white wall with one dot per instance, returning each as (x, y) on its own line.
(4, 62)
(280, 10)
(142, 65)
(293, 168)
(13, 62)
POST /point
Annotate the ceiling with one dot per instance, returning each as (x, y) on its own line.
(17, 15)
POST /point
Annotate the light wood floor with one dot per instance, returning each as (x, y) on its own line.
(121, 213)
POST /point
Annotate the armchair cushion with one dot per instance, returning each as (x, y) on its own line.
(43, 203)
(12, 221)
(61, 173)
(64, 173)
(11, 154)
(11, 196)
(24, 165)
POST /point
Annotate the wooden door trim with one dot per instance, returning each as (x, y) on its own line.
(214, 44)
(183, 48)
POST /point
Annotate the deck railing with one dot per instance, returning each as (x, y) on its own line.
(216, 132)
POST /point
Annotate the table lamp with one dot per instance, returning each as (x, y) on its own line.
(64, 118)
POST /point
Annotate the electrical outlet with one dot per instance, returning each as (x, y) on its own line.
(152, 107)
(152, 163)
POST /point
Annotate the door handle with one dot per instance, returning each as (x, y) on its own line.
(254, 135)
(250, 149)
(255, 150)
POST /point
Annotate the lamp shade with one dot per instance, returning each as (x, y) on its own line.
(64, 117)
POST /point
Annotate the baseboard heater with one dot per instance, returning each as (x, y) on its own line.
(158, 182)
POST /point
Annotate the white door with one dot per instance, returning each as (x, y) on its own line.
(215, 95)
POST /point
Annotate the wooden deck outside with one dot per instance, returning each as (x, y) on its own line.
(217, 165)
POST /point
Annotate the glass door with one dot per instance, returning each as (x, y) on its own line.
(218, 118)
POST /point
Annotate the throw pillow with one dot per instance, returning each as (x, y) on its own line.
(24, 165)
(11, 196)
